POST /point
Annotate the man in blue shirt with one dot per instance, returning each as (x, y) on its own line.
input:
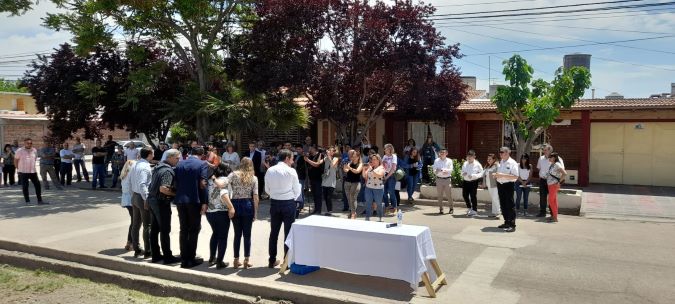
(191, 202)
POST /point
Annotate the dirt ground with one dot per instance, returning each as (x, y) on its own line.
(26, 286)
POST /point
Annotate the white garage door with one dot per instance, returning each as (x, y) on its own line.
(633, 153)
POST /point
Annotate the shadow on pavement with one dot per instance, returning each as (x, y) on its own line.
(71, 200)
(113, 252)
(492, 229)
(359, 284)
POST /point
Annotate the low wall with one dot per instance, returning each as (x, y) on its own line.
(568, 199)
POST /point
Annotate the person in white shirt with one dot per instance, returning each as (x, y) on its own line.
(390, 163)
(443, 170)
(543, 165)
(490, 183)
(472, 171)
(130, 151)
(140, 178)
(230, 156)
(524, 183)
(283, 187)
(506, 175)
(66, 167)
(78, 161)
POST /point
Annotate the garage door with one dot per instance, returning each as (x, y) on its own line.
(633, 153)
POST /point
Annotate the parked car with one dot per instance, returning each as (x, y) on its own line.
(137, 143)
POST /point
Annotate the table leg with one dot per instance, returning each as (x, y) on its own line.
(440, 279)
(284, 265)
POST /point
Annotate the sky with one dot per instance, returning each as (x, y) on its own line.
(634, 69)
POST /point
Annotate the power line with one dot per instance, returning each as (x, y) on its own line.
(572, 46)
(555, 12)
(496, 2)
(577, 39)
(538, 8)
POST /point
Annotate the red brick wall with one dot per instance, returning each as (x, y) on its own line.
(568, 142)
(452, 139)
(484, 137)
(20, 129)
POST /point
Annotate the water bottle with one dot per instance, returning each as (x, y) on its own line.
(399, 218)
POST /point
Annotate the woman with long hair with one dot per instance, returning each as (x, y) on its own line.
(556, 174)
(389, 162)
(244, 196)
(524, 183)
(9, 168)
(329, 177)
(374, 174)
(414, 165)
(411, 144)
(429, 151)
(230, 156)
(352, 179)
(126, 198)
(218, 214)
(489, 182)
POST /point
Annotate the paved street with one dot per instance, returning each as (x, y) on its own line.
(629, 202)
(577, 260)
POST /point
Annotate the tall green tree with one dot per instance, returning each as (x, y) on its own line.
(197, 31)
(15, 7)
(11, 86)
(532, 106)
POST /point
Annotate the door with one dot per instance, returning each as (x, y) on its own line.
(664, 157)
(638, 153)
(606, 160)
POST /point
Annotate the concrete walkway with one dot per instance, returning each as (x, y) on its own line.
(575, 261)
(639, 203)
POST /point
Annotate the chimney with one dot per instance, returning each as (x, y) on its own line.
(470, 81)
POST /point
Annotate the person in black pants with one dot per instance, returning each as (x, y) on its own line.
(472, 171)
(9, 169)
(66, 167)
(506, 175)
(314, 173)
(160, 195)
(24, 160)
(283, 186)
(191, 202)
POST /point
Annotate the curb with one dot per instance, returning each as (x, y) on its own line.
(149, 285)
(80, 262)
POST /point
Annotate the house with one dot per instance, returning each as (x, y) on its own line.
(614, 141)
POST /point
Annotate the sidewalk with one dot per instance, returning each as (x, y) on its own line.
(639, 203)
(575, 261)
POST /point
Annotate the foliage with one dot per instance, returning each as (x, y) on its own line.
(456, 176)
(106, 89)
(15, 7)
(181, 133)
(11, 86)
(380, 57)
(198, 32)
(532, 106)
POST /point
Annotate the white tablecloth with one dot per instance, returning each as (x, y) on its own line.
(361, 247)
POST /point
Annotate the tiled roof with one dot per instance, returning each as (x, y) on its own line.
(476, 94)
(483, 105)
(20, 115)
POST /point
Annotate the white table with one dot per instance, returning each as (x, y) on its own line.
(367, 248)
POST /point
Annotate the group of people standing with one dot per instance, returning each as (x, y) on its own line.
(504, 177)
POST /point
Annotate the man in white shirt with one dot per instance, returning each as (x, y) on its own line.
(472, 171)
(283, 187)
(140, 177)
(66, 166)
(130, 151)
(443, 170)
(543, 166)
(506, 175)
(78, 161)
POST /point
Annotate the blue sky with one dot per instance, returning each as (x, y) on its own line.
(634, 69)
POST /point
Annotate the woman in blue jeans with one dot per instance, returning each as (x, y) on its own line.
(374, 174)
(244, 186)
(389, 161)
(414, 165)
(524, 183)
(219, 214)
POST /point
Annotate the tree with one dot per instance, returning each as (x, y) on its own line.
(11, 86)
(15, 7)
(380, 57)
(196, 31)
(134, 90)
(532, 106)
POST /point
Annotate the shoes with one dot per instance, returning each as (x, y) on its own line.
(221, 265)
(193, 263)
(212, 261)
(441, 211)
(328, 213)
(147, 255)
(157, 259)
(541, 215)
(315, 212)
(273, 264)
(525, 214)
(468, 212)
(451, 211)
(503, 226)
(472, 212)
(171, 260)
(247, 264)
(128, 246)
(374, 212)
(510, 229)
(138, 253)
(236, 263)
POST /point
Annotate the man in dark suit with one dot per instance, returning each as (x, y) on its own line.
(191, 203)
(256, 157)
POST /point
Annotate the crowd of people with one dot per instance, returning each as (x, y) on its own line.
(227, 188)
